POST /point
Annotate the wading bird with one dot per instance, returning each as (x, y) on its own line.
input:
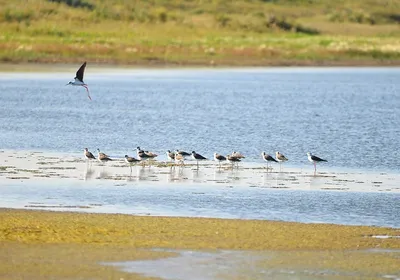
(131, 160)
(102, 157)
(183, 153)
(267, 158)
(237, 155)
(145, 155)
(281, 158)
(219, 158)
(232, 159)
(314, 160)
(179, 159)
(88, 155)
(170, 155)
(197, 157)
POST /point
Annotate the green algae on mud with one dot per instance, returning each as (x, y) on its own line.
(35, 227)
(64, 245)
(68, 261)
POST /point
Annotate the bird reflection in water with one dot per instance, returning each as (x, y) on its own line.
(176, 174)
(88, 173)
(102, 174)
(144, 174)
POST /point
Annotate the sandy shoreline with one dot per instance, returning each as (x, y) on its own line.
(31, 166)
(33, 238)
(106, 67)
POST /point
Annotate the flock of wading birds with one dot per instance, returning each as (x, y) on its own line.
(179, 157)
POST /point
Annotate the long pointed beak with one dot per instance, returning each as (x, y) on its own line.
(67, 84)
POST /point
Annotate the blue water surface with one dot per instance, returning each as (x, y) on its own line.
(350, 116)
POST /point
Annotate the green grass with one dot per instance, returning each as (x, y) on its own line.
(201, 32)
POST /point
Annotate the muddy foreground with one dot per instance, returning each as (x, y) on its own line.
(65, 245)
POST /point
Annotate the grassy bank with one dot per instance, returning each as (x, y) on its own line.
(59, 245)
(207, 32)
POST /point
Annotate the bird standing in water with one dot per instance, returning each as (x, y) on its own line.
(314, 160)
(280, 158)
(267, 158)
(131, 160)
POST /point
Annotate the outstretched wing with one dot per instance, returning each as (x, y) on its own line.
(80, 72)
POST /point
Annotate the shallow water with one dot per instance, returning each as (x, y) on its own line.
(225, 264)
(67, 183)
(200, 201)
(349, 116)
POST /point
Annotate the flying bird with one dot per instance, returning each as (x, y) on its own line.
(78, 80)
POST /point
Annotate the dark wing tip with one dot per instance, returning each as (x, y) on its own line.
(81, 70)
(317, 158)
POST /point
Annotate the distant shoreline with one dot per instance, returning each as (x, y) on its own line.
(45, 65)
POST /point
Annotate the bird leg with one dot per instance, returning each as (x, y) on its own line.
(87, 89)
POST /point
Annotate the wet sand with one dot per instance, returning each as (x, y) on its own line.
(28, 166)
(64, 245)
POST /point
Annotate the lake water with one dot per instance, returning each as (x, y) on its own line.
(350, 116)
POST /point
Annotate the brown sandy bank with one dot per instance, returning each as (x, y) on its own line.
(63, 245)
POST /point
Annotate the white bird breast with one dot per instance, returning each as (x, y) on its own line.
(77, 83)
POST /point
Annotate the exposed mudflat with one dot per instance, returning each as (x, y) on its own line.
(33, 166)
